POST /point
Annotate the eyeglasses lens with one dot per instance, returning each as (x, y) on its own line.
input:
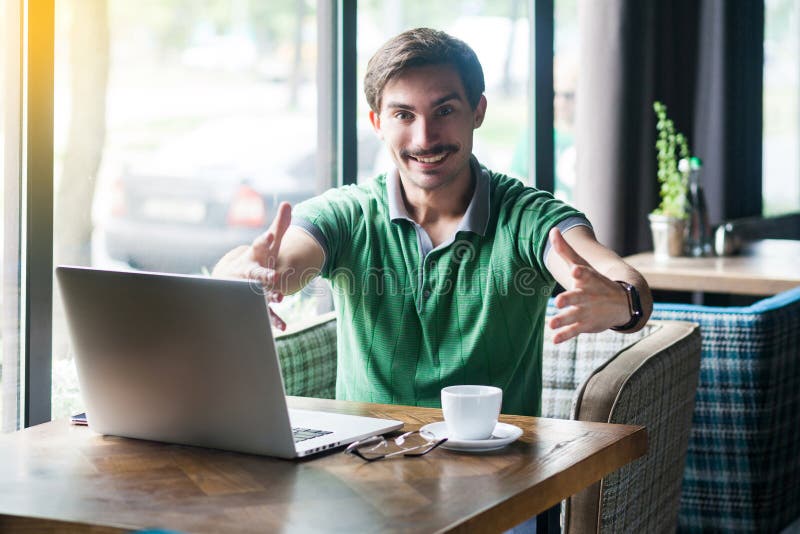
(409, 444)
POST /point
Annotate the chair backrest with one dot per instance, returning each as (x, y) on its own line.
(566, 366)
(307, 354)
(743, 467)
(646, 379)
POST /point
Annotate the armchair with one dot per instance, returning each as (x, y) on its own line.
(648, 378)
(743, 464)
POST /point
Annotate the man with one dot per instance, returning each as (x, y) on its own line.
(441, 269)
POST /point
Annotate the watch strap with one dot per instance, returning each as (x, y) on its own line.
(634, 306)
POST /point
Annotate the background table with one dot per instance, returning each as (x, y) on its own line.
(764, 267)
(56, 473)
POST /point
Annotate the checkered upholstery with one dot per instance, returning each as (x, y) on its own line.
(563, 371)
(743, 465)
(308, 358)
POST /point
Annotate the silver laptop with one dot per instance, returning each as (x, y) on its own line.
(190, 360)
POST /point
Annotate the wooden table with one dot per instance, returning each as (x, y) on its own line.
(763, 267)
(55, 473)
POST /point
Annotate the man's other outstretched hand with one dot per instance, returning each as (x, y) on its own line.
(593, 303)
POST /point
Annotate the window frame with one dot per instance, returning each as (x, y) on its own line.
(541, 91)
(37, 174)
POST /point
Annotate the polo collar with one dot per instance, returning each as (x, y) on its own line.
(475, 219)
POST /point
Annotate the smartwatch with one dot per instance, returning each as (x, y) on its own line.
(634, 306)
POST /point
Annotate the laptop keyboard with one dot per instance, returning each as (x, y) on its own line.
(302, 434)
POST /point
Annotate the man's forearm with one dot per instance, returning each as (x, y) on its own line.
(299, 262)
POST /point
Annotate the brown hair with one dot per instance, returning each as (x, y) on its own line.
(417, 48)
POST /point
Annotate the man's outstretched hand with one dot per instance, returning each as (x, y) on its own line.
(592, 304)
(259, 260)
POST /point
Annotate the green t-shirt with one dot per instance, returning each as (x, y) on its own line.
(413, 318)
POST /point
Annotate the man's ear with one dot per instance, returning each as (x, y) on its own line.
(480, 111)
(375, 119)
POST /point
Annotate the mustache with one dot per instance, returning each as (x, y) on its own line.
(438, 149)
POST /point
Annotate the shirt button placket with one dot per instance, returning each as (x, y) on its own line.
(427, 292)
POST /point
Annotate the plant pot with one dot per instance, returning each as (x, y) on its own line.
(669, 234)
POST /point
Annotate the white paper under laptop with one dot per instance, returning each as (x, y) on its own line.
(190, 360)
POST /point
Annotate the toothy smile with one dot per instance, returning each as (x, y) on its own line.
(431, 159)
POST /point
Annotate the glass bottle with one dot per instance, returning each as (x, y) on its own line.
(698, 231)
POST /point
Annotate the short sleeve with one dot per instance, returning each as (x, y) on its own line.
(533, 214)
(329, 218)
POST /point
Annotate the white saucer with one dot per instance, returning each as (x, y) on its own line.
(502, 435)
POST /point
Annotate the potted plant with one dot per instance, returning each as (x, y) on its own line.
(668, 220)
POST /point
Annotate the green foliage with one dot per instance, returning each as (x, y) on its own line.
(671, 147)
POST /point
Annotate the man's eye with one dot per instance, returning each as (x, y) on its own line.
(402, 115)
(447, 110)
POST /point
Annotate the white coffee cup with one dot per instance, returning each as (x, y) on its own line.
(471, 411)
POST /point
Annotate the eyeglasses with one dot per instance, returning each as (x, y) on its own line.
(414, 443)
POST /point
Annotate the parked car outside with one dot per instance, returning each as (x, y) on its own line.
(183, 208)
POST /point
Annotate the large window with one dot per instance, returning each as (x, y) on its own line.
(781, 163)
(498, 32)
(178, 129)
(179, 126)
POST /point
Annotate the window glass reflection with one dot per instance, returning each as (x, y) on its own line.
(179, 127)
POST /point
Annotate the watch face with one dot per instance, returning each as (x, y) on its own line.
(634, 306)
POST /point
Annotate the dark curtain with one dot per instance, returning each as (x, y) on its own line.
(703, 60)
(729, 106)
